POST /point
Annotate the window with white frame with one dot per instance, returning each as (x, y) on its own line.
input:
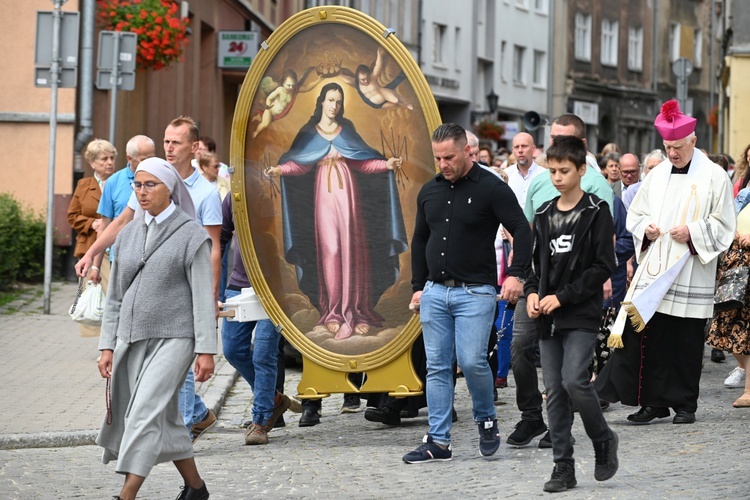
(541, 6)
(698, 48)
(540, 69)
(522, 4)
(583, 37)
(519, 71)
(635, 48)
(609, 42)
(438, 49)
(674, 41)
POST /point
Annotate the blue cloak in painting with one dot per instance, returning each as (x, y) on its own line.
(378, 206)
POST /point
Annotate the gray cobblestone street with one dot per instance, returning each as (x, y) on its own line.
(53, 392)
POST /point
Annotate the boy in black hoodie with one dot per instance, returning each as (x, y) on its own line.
(573, 256)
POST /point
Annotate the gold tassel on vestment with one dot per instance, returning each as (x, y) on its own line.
(615, 342)
(635, 317)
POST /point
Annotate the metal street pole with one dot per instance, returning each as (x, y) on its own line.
(54, 81)
(712, 71)
(113, 93)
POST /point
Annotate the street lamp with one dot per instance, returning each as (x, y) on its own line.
(492, 98)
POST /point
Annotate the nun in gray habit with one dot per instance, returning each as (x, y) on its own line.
(158, 317)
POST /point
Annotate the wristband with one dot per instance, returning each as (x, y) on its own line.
(94, 268)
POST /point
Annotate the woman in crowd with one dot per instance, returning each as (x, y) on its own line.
(159, 315)
(485, 156)
(652, 159)
(730, 330)
(610, 166)
(210, 165)
(82, 211)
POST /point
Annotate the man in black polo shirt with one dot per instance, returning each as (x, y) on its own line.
(454, 273)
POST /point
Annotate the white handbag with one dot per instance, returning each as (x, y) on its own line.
(88, 308)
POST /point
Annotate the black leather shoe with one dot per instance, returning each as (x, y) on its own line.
(409, 413)
(309, 417)
(717, 355)
(189, 493)
(684, 417)
(647, 413)
(384, 415)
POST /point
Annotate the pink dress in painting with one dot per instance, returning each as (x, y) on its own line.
(340, 240)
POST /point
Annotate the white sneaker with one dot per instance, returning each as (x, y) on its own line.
(736, 378)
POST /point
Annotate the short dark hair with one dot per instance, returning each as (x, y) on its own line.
(193, 133)
(571, 119)
(450, 131)
(721, 160)
(208, 142)
(567, 148)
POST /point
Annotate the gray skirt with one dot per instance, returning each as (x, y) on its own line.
(147, 427)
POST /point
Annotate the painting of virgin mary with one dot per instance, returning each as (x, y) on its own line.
(346, 246)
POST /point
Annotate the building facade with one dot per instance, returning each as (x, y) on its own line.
(684, 28)
(195, 87)
(606, 70)
(469, 51)
(733, 36)
(25, 114)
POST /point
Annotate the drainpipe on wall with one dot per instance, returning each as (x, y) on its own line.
(419, 34)
(654, 69)
(712, 75)
(86, 79)
(550, 59)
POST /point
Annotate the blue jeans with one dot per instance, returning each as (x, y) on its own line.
(191, 405)
(566, 357)
(256, 361)
(456, 324)
(504, 324)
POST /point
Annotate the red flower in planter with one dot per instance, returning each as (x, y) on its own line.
(161, 31)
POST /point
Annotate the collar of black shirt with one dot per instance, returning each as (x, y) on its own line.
(474, 172)
(683, 170)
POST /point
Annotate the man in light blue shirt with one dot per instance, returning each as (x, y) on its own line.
(542, 190)
(117, 191)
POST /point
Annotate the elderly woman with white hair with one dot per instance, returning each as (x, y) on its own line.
(83, 214)
(159, 315)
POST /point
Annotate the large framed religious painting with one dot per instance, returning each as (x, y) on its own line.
(330, 146)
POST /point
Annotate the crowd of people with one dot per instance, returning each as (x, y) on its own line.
(520, 259)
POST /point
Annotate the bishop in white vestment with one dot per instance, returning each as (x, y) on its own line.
(681, 219)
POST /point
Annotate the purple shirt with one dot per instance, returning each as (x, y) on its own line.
(238, 279)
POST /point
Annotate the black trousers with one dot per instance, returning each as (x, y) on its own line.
(660, 366)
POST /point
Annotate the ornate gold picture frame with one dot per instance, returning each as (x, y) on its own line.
(330, 147)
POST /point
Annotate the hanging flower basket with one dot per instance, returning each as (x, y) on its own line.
(713, 118)
(491, 130)
(162, 33)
